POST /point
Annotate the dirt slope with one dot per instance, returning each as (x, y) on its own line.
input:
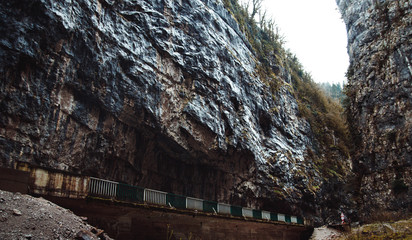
(27, 217)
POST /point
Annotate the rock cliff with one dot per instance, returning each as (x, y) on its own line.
(380, 107)
(158, 93)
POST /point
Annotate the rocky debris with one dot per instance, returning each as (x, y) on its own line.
(85, 235)
(94, 234)
(17, 212)
(325, 233)
(380, 109)
(27, 217)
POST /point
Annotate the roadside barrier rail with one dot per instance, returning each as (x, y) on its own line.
(247, 212)
(125, 192)
(194, 203)
(266, 215)
(90, 186)
(102, 187)
(155, 197)
(223, 208)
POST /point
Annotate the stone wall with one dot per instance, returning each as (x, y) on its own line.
(122, 221)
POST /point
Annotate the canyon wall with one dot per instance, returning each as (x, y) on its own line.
(380, 102)
(157, 93)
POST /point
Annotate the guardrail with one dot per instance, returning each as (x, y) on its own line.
(50, 183)
(110, 189)
(155, 197)
(266, 215)
(247, 212)
(223, 208)
(194, 203)
(102, 187)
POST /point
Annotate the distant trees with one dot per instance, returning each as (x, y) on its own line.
(334, 90)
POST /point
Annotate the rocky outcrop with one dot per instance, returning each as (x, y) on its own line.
(380, 93)
(161, 94)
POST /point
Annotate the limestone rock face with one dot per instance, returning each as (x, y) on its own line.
(158, 93)
(380, 92)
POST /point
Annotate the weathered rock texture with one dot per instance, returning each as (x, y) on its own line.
(380, 92)
(162, 94)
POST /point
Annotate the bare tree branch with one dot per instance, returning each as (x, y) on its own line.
(262, 19)
(256, 6)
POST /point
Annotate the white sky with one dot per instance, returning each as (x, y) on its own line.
(315, 32)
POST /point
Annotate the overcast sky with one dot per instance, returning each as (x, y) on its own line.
(315, 32)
